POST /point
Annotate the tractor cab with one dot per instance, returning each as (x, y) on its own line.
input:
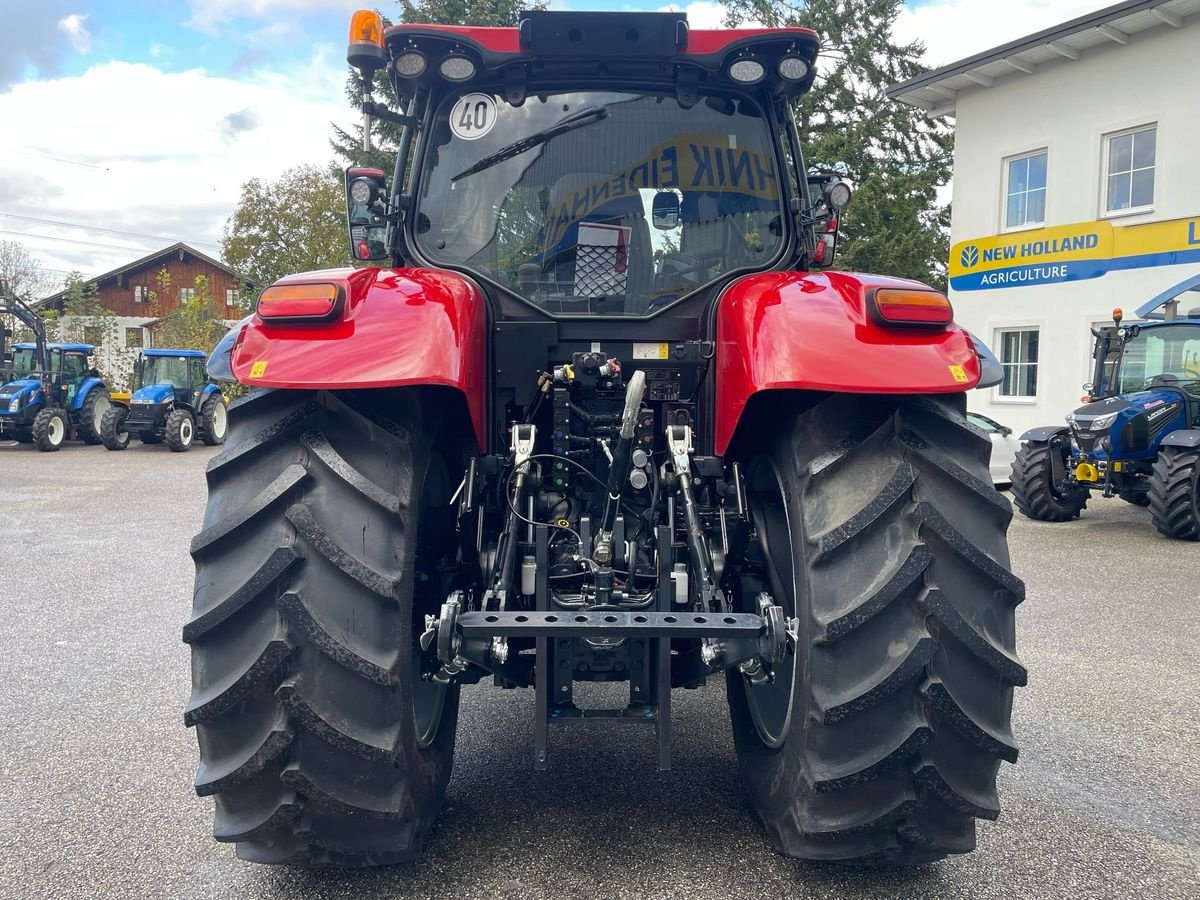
(175, 374)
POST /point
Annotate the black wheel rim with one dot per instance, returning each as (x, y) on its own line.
(771, 705)
(434, 567)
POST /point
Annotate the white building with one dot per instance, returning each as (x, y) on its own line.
(1076, 190)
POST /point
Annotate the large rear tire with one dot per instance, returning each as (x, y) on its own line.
(1175, 493)
(880, 739)
(91, 415)
(1033, 488)
(328, 536)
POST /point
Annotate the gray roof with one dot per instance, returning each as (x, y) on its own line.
(936, 91)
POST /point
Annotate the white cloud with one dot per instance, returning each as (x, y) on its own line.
(955, 29)
(702, 14)
(72, 26)
(207, 14)
(127, 146)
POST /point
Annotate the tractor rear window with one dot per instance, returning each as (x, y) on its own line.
(600, 203)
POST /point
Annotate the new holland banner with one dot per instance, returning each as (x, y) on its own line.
(1071, 253)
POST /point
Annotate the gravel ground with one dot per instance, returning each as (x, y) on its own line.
(96, 767)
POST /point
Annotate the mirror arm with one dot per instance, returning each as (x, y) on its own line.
(380, 111)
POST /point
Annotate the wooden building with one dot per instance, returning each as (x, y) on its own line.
(136, 290)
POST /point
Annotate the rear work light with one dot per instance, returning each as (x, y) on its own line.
(299, 301)
(900, 306)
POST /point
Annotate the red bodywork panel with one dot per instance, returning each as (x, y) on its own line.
(398, 327)
(508, 40)
(812, 331)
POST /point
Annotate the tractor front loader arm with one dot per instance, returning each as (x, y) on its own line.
(836, 332)
(343, 329)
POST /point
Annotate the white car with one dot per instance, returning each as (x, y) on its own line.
(1004, 447)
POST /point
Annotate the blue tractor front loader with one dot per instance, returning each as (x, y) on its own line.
(50, 391)
(173, 401)
(1139, 436)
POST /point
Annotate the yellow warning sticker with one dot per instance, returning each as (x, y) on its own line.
(959, 374)
(259, 369)
(651, 351)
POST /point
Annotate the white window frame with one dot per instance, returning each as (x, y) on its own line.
(1106, 144)
(186, 294)
(1006, 163)
(998, 342)
(141, 294)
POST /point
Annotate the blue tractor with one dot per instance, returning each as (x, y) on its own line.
(174, 401)
(50, 391)
(1139, 436)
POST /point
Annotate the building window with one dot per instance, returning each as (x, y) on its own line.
(1019, 357)
(233, 297)
(133, 337)
(93, 334)
(186, 294)
(1129, 169)
(141, 294)
(1025, 190)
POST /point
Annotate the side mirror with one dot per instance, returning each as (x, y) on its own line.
(1005, 431)
(665, 211)
(834, 196)
(366, 213)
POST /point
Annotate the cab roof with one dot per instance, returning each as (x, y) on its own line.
(166, 351)
(55, 345)
(548, 44)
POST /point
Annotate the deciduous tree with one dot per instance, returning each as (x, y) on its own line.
(295, 223)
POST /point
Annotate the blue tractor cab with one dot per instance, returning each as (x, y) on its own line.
(51, 391)
(174, 401)
(1138, 437)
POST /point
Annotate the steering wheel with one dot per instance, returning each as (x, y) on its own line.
(1169, 378)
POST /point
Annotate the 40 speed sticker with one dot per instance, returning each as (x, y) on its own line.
(473, 116)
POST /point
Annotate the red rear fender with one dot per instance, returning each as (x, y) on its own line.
(397, 327)
(813, 331)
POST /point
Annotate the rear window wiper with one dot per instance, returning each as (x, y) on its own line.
(516, 148)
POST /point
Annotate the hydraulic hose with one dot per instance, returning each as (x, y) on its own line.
(618, 471)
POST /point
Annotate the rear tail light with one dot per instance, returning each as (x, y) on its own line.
(299, 301)
(899, 306)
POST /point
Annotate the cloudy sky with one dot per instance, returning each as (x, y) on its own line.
(130, 124)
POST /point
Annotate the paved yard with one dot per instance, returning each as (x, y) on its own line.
(96, 767)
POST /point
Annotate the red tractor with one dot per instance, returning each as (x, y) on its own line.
(600, 417)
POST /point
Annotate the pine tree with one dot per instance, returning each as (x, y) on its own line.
(385, 136)
(894, 155)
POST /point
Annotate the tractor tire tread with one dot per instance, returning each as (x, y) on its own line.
(86, 429)
(298, 692)
(173, 432)
(1031, 474)
(41, 428)
(907, 700)
(1174, 495)
(111, 425)
(204, 421)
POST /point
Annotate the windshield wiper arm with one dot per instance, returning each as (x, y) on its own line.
(570, 123)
